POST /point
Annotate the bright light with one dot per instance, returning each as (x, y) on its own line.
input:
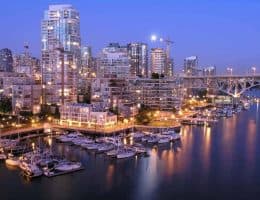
(153, 38)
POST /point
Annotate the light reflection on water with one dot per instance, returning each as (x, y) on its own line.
(208, 162)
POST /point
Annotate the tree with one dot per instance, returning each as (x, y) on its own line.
(155, 76)
(144, 116)
(5, 105)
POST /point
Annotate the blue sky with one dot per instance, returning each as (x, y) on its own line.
(222, 32)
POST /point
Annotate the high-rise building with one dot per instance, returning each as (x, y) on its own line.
(61, 54)
(86, 60)
(158, 61)
(25, 63)
(191, 66)
(113, 62)
(6, 60)
(138, 56)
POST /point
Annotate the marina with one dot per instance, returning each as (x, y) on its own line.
(230, 139)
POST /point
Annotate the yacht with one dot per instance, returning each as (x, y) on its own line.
(2, 155)
(137, 135)
(164, 139)
(68, 166)
(105, 147)
(126, 153)
(31, 169)
(152, 139)
(12, 161)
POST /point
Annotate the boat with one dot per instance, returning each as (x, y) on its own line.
(30, 170)
(152, 139)
(137, 135)
(105, 147)
(112, 153)
(164, 139)
(93, 146)
(126, 153)
(66, 166)
(2, 154)
(12, 161)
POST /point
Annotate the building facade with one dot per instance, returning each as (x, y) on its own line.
(61, 54)
(158, 61)
(191, 66)
(6, 60)
(209, 71)
(138, 56)
(84, 114)
(113, 62)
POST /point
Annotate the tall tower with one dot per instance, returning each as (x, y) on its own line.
(60, 35)
(138, 57)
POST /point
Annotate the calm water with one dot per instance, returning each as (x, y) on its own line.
(221, 162)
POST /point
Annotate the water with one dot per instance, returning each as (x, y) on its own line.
(221, 162)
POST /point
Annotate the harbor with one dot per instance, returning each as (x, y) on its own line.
(233, 139)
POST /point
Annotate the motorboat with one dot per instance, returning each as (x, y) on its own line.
(152, 139)
(105, 147)
(30, 169)
(137, 135)
(12, 161)
(164, 139)
(126, 153)
(68, 166)
(93, 146)
(2, 155)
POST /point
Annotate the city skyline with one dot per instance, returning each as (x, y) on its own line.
(215, 32)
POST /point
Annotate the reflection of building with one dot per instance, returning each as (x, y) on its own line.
(163, 94)
(85, 114)
(60, 54)
(113, 62)
(209, 71)
(138, 55)
(158, 61)
(191, 66)
(6, 60)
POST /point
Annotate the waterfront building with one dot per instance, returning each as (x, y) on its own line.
(61, 54)
(113, 62)
(113, 94)
(191, 66)
(6, 60)
(85, 114)
(26, 97)
(138, 56)
(158, 61)
(162, 94)
(209, 71)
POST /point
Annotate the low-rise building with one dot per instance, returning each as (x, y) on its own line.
(85, 114)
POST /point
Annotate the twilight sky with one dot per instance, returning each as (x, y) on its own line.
(221, 32)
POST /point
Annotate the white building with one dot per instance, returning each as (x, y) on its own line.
(158, 61)
(84, 114)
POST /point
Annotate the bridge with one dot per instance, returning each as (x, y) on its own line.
(233, 85)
